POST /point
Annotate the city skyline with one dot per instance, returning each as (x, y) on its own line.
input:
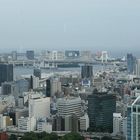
(94, 25)
(69, 70)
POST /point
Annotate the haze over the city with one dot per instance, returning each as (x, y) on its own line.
(111, 25)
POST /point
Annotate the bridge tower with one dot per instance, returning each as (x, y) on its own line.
(104, 56)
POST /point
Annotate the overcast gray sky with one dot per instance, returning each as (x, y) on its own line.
(70, 24)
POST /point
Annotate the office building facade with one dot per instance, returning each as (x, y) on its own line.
(72, 54)
(53, 86)
(131, 60)
(65, 123)
(87, 71)
(84, 122)
(69, 105)
(37, 73)
(117, 121)
(22, 85)
(7, 88)
(48, 88)
(137, 66)
(39, 107)
(26, 124)
(133, 120)
(101, 107)
(30, 54)
(6, 73)
(43, 125)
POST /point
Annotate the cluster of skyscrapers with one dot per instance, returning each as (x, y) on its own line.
(103, 103)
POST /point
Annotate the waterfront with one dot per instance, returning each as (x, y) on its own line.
(18, 71)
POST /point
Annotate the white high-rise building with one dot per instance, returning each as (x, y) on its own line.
(117, 121)
(69, 105)
(133, 120)
(26, 124)
(39, 107)
(84, 122)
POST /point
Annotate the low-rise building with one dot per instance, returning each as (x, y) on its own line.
(84, 123)
(26, 124)
(43, 125)
(117, 120)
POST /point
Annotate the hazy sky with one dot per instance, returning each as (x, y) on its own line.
(70, 24)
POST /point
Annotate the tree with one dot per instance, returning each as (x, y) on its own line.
(96, 138)
(13, 137)
(106, 138)
(30, 136)
(39, 136)
(53, 136)
(42, 135)
(72, 136)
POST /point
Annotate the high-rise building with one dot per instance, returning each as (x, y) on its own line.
(31, 82)
(133, 120)
(72, 54)
(131, 60)
(48, 88)
(87, 71)
(101, 107)
(58, 123)
(22, 85)
(30, 55)
(65, 123)
(69, 105)
(37, 73)
(34, 82)
(137, 67)
(8, 88)
(39, 107)
(6, 73)
(53, 86)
